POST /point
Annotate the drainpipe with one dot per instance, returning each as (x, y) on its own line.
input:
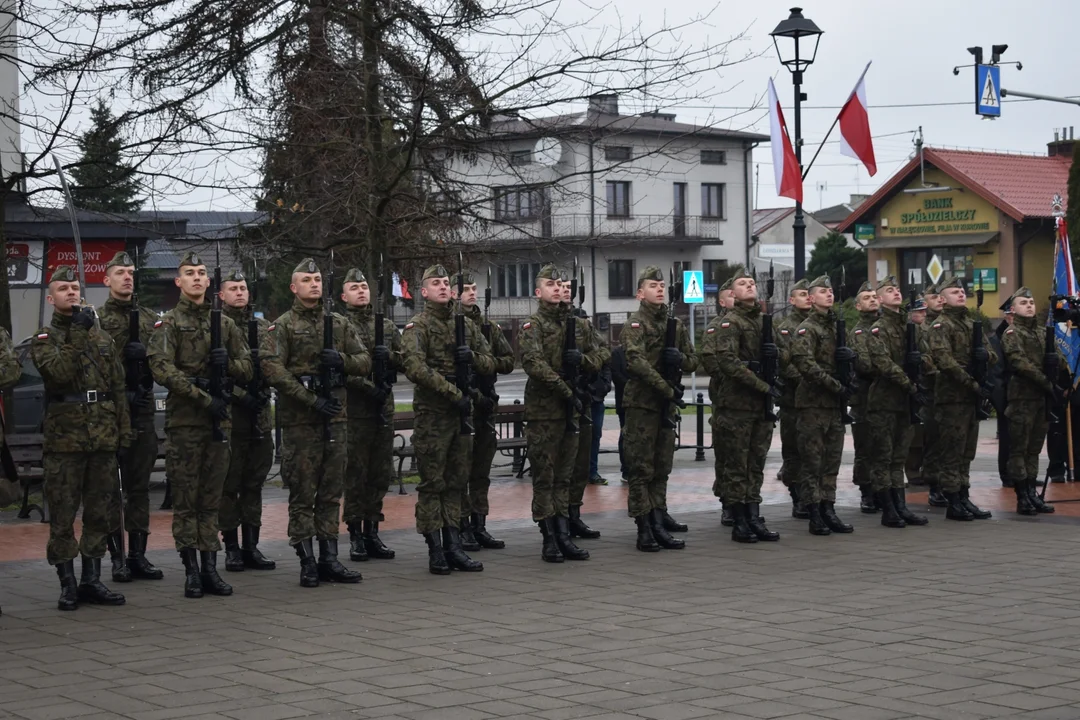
(748, 199)
(592, 223)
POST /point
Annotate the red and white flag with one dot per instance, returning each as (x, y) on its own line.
(855, 140)
(785, 165)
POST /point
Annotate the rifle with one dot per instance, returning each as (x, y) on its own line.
(1051, 370)
(845, 370)
(913, 363)
(769, 365)
(136, 373)
(382, 374)
(486, 383)
(571, 373)
(462, 370)
(978, 367)
(327, 374)
(672, 374)
(217, 374)
(255, 386)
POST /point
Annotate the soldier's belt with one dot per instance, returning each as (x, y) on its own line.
(87, 396)
(314, 382)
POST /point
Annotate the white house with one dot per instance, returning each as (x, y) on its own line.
(616, 192)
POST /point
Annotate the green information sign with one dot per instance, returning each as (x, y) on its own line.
(864, 232)
(986, 278)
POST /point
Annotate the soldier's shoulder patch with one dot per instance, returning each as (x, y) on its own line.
(785, 332)
(725, 324)
(875, 330)
(271, 328)
(526, 326)
(635, 325)
(710, 331)
(157, 323)
(859, 331)
(1009, 331)
(43, 335)
(409, 326)
(802, 331)
(937, 325)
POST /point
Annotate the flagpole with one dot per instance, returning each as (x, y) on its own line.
(835, 122)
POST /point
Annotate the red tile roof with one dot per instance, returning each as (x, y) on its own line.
(1021, 186)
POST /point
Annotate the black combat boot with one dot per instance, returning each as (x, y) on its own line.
(357, 549)
(956, 509)
(578, 528)
(936, 498)
(550, 551)
(567, 547)
(1037, 502)
(329, 569)
(798, 507)
(975, 510)
(899, 499)
(91, 589)
(1007, 482)
(192, 581)
(663, 538)
(671, 524)
(757, 524)
(817, 522)
(121, 573)
(726, 518)
(166, 502)
(869, 503)
(253, 557)
(740, 531)
(69, 593)
(468, 540)
(309, 571)
(436, 558)
(482, 535)
(374, 545)
(234, 558)
(828, 514)
(890, 516)
(645, 540)
(455, 554)
(1023, 502)
(211, 581)
(140, 567)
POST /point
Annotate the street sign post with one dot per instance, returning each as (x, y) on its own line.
(693, 282)
(988, 90)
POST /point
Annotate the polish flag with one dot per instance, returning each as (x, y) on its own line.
(855, 140)
(785, 165)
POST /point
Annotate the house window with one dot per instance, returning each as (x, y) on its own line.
(618, 153)
(618, 199)
(621, 279)
(520, 157)
(711, 268)
(712, 200)
(518, 203)
(713, 157)
(516, 280)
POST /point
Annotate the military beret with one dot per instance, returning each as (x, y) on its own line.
(121, 259)
(435, 271)
(821, 282)
(1006, 307)
(191, 258)
(741, 273)
(63, 273)
(355, 275)
(551, 272)
(803, 284)
(234, 276)
(307, 265)
(888, 281)
(465, 277)
(919, 304)
(951, 281)
(1022, 292)
(727, 284)
(865, 287)
(932, 289)
(650, 273)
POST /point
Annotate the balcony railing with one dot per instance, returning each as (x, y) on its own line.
(578, 227)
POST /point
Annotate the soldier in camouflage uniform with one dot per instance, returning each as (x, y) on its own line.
(933, 444)
(429, 352)
(371, 425)
(956, 400)
(548, 398)
(474, 503)
(819, 402)
(314, 442)
(251, 443)
(888, 414)
(791, 467)
(182, 361)
(732, 352)
(724, 302)
(86, 424)
(1029, 392)
(652, 405)
(867, 303)
(115, 319)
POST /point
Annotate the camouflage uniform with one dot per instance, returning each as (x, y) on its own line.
(927, 436)
(789, 374)
(314, 440)
(860, 429)
(443, 452)
(86, 422)
(251, 450)
(651, 412)
(579, 475)
(371, 436)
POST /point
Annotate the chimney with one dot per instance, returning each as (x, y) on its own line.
(604, 104)
(1063, 143)
(857, 200)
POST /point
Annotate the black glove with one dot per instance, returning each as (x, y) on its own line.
(678, 401)
(139, 399)
(774, 392)
(219, 409)
(84, 318)
(980, 355)
(378, 395)
(572, 358)
(253, 402)
(463, 405)
(579, 408)
(219, 357)
(381, 353)
(481, 401)
(770, 351)
(463, 354)
(845, 354)
(134, 351)
(331, 358)
(672, 357)
(328, 407)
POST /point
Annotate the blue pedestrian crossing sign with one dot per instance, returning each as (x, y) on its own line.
(693, 287)
(988, 90)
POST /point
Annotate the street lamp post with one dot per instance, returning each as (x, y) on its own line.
(798, 28)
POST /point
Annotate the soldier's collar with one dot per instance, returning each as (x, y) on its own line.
(956, 311)
(439, 311)
(654, 309)
(191, 305)
(360, 310)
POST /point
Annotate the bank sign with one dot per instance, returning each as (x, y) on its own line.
(941, 216)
